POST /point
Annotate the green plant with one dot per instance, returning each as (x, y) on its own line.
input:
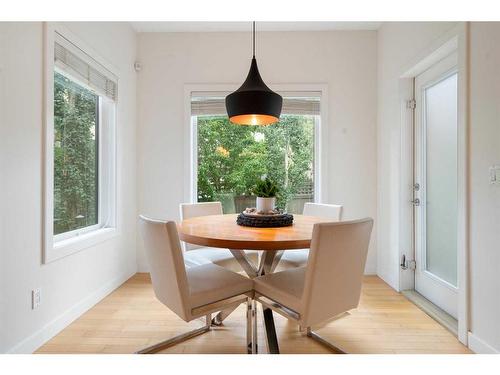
(266, 188)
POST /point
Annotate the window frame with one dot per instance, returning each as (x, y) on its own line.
(320, 135)
(64, 244)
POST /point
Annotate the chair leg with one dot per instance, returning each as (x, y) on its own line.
(208, 320)
(324, 342)
(255, 349)
(177, 339)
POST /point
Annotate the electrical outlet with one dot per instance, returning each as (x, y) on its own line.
(35, 298)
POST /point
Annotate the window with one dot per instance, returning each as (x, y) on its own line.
(80, 149)
(230, 159)
(76, 178)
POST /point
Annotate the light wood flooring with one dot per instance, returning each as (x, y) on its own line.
(131, 318)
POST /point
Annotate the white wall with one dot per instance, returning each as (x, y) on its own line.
(71, 284)
(398, 45)
(346, 61)
(484, 198)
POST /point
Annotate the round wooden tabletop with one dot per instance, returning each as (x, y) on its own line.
(222, 231)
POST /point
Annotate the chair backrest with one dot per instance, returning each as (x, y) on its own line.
(166, 264)
(331, 211)
(335, 269)
(189, 210)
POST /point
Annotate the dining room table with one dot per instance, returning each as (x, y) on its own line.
(222, 231)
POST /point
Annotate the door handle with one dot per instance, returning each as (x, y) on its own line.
(416, 202)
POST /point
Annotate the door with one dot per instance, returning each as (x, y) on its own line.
(435, 184)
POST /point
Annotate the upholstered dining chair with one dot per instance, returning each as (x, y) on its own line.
(202, 255)
(329, 285)
(298, 258)
(192, 292)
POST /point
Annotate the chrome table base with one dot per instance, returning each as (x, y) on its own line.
(268, 263)
(272, 339)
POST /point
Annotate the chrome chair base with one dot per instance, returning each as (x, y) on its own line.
(321, 340)
(177, 339)
(251, 334)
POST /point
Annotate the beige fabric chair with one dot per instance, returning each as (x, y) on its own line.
(194, 292)
(298, 258)
(331, 282)
(202, 255)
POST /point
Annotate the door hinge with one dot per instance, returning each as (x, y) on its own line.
(411, 104)
(416, 202)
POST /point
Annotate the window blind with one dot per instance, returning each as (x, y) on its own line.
(70, 59)
(300, 103)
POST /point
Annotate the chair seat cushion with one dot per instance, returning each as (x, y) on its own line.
(192, 259)
(285, 287)
(210, 283)
(221, 257)
(294, 258)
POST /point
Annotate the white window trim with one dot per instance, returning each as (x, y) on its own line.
(320, 136)
(56, 247)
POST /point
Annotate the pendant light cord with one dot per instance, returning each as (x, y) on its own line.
(253, 34)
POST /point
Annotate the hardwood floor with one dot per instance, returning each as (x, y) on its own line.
(131, 318)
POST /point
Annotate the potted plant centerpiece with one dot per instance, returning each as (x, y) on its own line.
(266, 191)
(265, 215)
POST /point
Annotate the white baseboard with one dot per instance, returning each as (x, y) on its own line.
(33, 342)
(370, 270)
(389, 281)
(479, 346)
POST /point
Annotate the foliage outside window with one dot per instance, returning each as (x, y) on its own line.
(232, 158)
(76, 114)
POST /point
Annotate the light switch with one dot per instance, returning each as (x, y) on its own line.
(495, 174)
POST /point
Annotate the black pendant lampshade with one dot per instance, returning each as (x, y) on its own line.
(254, 103)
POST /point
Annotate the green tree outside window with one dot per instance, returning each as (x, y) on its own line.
(75, 155)
(232, 158)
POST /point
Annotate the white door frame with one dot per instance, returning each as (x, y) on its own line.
(454, 40)
(427, 283)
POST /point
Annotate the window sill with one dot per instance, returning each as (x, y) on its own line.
(75, 244)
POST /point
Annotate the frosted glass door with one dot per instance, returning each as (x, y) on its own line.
(436, 184)
(441, 179)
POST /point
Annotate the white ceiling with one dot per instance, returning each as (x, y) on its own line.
(145, 27)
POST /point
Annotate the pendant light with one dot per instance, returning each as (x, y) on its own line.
(254, 103)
